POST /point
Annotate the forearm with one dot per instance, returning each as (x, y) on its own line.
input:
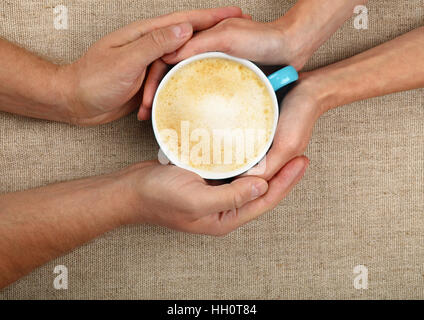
(31, 86)
(310, 23)
(40, 224)
(394, 66)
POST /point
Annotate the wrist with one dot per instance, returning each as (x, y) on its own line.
(321, 89)
(119, 199)
(292, 43)
(66, 86)
(129, 182)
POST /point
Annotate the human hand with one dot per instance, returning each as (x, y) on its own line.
(300, 109)
(179, 199)
(265, 43)
(104, 84)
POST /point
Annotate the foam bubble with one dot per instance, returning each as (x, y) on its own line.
(216, 94)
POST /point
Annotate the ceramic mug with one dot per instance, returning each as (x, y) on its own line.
(273, 83)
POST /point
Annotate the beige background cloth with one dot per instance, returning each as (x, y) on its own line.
(360, 203)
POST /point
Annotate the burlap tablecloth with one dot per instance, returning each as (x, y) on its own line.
(360, 203)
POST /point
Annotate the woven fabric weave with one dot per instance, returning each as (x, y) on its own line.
(361, 201)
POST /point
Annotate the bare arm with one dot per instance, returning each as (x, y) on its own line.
(31, 86)
(310, 23)
(104, 84)
(40, 224)
(394, 66)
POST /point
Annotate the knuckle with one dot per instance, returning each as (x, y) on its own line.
(237, 200)
(158, 38)
(227, 24)
(226, 43)
(226, 31)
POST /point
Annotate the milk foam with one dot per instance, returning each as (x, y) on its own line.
(210, 95)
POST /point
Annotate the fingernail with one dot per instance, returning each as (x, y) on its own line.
(258, 189)
(181, 30)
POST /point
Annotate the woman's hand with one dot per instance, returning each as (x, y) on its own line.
(264, 43)
(179, 199)
(104, 84)
(300, 109)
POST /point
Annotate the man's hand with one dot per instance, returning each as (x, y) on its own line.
(179, 199)
(40, 224)
(104, 84)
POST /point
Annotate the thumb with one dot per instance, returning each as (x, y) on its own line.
(162, 41)
(278, 188)
(234, 195)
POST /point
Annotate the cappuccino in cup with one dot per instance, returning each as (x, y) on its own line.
(215, 115)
